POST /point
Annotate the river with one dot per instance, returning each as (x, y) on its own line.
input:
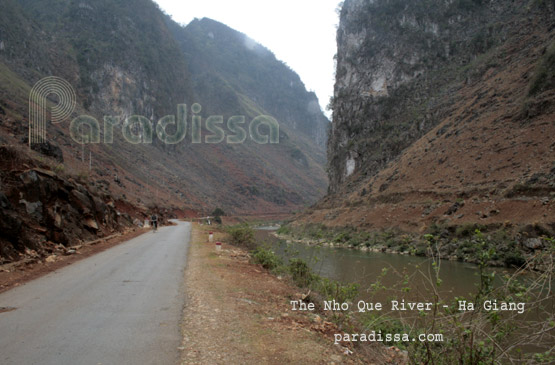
(355, 266)
(346, 265)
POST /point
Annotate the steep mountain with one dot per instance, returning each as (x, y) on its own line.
(443, 117)
(128, 58)
(233, 75)
(229, 69)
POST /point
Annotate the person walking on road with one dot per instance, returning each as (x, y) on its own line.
(154, 222)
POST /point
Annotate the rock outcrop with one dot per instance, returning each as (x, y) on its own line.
(41, 208)
(401, 64)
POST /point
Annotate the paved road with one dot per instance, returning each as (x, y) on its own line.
(121, 306)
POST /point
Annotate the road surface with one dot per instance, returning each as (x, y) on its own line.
(121, 306)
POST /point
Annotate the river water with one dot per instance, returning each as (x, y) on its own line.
(355, 266)
(346, 265)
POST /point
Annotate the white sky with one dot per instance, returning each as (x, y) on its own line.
(300, 33)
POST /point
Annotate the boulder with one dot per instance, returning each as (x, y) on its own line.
(34, 209)
(50, 259)
(99, 207)
(32, 186)
(533, 243)
(81, 202)
(55, 217)
(29, 177)
(91, 223)
(10, 224)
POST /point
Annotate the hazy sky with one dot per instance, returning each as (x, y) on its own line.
(299, 32)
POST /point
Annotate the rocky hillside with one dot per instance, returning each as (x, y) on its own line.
(128, 58)
(42, 210)
(443, 117)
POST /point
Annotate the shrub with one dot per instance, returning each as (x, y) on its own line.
(342, 237)
(384, 324)
(242, 235)
(466, 230)
(514, 259)
(218, 213)
(300, 273)
(316, 231)
(285, 229)
(267, 258)
(331, 289)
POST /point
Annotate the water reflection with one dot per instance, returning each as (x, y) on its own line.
(347, 266)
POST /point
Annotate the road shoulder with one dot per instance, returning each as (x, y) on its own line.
(236, 313)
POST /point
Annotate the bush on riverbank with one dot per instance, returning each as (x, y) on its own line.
(485, 333)
(241, 235)
(267, 258)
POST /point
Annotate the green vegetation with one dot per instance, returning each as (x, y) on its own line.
(453, 242)
(217, 214)
(242, 235)
(266, 258)
(331, 289)
(478, 336)
(284, 229)
(300, 273)
(297, 269)
(466, 230)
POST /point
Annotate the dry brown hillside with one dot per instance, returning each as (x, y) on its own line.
(495, 151)
(488, 161)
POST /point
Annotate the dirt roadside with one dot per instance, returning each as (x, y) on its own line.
(238, 313)
(18, 273)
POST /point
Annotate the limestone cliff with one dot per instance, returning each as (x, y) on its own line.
(443, 118)
(400, 62)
